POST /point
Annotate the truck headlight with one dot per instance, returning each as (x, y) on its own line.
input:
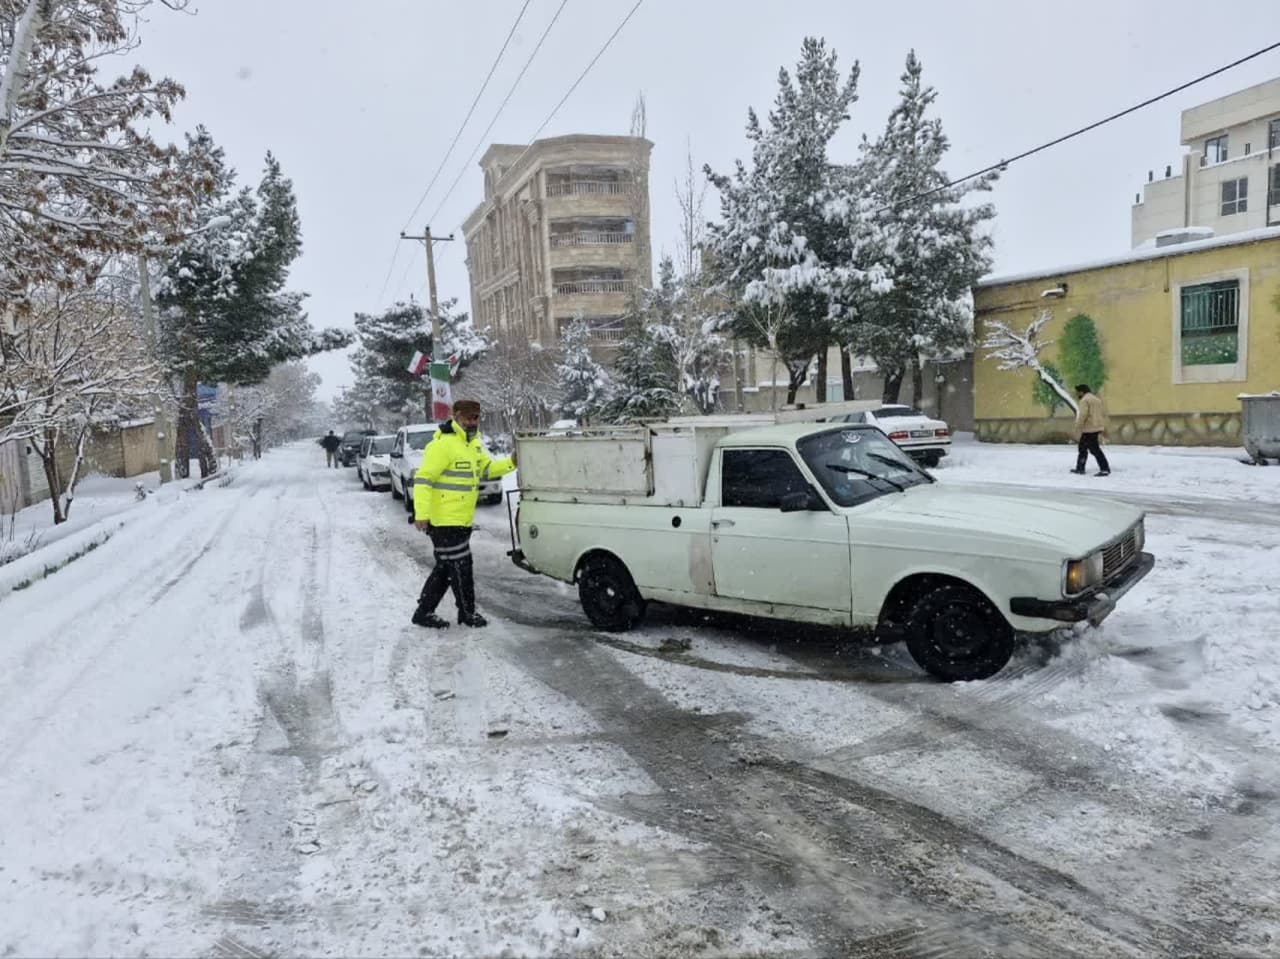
(1080, 574)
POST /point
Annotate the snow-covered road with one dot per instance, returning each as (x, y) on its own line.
(220, 736)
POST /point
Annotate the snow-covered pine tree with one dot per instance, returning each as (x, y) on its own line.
(681, 319)
(774, 245)
(79, 180)
(896, 211)
(645, 378)
(582, 383)
(224, 312)
(387, 341)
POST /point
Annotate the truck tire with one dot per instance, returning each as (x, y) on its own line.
(955, 634)
(608, 594)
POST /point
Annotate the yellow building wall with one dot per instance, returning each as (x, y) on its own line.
(1132, 305)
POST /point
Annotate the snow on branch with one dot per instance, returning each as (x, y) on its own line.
(1015, 351)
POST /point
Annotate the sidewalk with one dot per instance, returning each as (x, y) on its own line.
(30, 543)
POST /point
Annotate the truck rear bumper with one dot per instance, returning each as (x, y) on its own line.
(1094, 608)
(517, 557)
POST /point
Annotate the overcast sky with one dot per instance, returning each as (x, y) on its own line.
(360, 102)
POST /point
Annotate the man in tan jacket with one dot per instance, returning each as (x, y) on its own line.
(1091, 423)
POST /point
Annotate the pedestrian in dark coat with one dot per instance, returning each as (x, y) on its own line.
(330, 444)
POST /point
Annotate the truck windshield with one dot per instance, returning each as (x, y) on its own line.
(855, 465)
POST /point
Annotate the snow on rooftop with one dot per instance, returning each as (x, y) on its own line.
(1134, 256)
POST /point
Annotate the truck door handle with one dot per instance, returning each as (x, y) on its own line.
(717, 523)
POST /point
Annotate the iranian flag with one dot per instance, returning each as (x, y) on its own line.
(441, 395)
(418, 365)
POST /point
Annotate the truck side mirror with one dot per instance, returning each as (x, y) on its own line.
(797, 502)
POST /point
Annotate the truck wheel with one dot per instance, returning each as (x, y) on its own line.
(955, 634)
(608, 594)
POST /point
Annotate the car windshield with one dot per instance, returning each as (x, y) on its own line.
(417, 441)
(856, 465)
(353, 438)
(382, 444)
(888, 412)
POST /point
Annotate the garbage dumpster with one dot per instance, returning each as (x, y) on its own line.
(1262, 425)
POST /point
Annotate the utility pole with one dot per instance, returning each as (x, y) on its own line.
(161, 421)
(429, 242)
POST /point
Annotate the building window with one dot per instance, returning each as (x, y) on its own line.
(1273, 138)
(1210, 328)
(1215, 150)
(1273, 194)
(1235, 196)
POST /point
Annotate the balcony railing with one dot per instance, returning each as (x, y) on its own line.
(590, 238)
(567, 187)
(593, 287)
(608, 334)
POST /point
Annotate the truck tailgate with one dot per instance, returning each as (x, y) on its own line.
(610, 464)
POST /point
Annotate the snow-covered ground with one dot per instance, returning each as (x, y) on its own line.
(220, 735)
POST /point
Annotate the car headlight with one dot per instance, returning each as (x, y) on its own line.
(1080, 574)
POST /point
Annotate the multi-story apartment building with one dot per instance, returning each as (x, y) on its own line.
(1230, 176)
(563, 231)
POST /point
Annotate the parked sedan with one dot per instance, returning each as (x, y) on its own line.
(373, 464)
(349, 449)
(926, 439)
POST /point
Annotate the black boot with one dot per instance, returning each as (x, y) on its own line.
(464, 593)
(423, 617)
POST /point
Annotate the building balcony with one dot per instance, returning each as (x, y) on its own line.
(593, 287)
(590, 238)
(581, 186)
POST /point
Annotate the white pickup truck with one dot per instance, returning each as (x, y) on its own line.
(816, 523)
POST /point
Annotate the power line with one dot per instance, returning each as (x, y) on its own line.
(465, 120)
(467, 163)
(395, 253)
(1092, 126)
(582, 76)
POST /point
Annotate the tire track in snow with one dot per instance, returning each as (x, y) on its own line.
(810, 838)
(277, 812)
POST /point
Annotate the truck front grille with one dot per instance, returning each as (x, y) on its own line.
(1119, 554)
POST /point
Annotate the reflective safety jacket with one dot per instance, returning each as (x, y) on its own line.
(446, 484)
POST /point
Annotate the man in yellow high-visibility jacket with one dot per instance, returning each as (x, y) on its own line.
(444, 506)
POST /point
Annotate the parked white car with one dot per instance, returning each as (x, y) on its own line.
(406, 456)
(919, 435)
(373, 462)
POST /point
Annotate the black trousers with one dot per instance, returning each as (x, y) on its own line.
(1089, 444)
(452, 545)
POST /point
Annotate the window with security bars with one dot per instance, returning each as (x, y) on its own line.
(1211, 323)
(1273, 135)
(1273, 191)
(1235, 196)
